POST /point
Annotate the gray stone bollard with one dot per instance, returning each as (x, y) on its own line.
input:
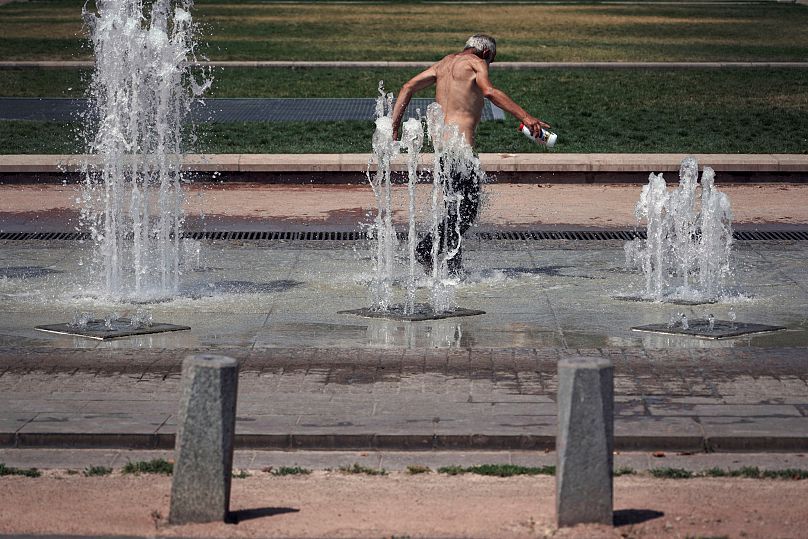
(206, 428)
(585, 441)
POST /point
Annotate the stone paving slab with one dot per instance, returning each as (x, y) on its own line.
(297, 401)
(492, 163)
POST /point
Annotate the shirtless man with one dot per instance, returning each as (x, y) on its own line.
(461, 82)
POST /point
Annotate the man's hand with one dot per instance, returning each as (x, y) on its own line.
(535, 125)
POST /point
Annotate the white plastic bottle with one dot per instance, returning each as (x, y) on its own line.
(545, 137)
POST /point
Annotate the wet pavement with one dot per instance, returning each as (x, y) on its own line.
(312, 378)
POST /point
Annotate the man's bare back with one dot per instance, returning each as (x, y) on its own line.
(457, 93)
(461, 82)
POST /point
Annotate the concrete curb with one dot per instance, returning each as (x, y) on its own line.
(89, 64)
(406, 442)
(543, 162)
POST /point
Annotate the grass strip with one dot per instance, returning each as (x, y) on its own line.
(154, 466)
(359, 469)
(240, 30)
(97, 471)
(38, 138)
(415, 469)
(289, 470)
(549, 89)
(747, 472)
(706, 111)
(671, 473)
(753, 472)
(789, 473)
(32, 82)
(498, 470)
(25, 472)
(493, 137)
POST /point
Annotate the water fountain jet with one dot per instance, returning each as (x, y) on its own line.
(686, 256)
(141, 91)
(452, 152)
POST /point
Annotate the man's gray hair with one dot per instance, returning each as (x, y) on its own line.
(481, 42)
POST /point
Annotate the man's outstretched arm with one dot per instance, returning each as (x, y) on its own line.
(501, 99)
(420, 81)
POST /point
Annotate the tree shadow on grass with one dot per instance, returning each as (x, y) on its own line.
(625, 517)
(234, 517)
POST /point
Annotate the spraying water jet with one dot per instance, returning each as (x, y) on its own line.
(131, 197)
(453, 155)
(686, 256)
(141, 92)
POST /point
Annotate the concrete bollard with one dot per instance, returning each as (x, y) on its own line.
(206, 428)
(585, 441)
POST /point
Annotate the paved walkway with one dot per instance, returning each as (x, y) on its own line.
(418, 399)
(314, 378)
(53, 109)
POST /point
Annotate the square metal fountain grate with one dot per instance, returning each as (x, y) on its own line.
(422, 312)
(721, 329)
(99, 330)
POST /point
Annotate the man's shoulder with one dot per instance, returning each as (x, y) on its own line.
(446, 59)
(466, 60)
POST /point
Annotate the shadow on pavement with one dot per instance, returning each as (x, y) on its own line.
(625, 517)
(260, 512)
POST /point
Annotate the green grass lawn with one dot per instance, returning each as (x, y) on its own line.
(722, 110)
(730, 110)
(237, 30)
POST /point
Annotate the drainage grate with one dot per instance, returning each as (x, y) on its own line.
(772, 235)
(575, 235)
(71, 236)
(103, 330)
(279, 236)
(356, 235)
(703, 329)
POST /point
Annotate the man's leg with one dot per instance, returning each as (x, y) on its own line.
(468, 188)
(423, 251)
